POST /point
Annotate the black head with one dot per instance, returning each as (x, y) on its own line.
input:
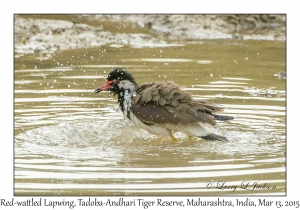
(120, 74)
(113, 80)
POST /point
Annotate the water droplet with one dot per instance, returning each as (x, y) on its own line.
(246, 58)
(160, 51)
(68, 86)
(211, 75)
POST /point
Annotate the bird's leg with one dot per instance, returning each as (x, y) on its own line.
(172, 137)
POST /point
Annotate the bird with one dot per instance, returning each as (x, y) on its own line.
(162, 108)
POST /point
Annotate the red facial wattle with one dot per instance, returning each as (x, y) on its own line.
(107, 85)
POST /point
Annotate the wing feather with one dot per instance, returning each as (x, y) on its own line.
(162, 103)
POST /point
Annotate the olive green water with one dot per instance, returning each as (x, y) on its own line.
(69, 141)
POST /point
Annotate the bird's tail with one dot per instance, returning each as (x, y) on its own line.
(196, 130)
(222, 117)
(214, 137)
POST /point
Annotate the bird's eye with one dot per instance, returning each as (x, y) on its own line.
(116, 81)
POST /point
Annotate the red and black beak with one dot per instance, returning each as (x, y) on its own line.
(104, 87)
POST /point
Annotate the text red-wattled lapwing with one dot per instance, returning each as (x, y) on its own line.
(162, 107)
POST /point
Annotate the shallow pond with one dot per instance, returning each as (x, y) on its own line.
(69, 141)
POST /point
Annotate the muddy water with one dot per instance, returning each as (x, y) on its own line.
(69, 141)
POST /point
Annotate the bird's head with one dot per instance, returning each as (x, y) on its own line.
(113, 81)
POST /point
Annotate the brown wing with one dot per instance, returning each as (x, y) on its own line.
(161, 103)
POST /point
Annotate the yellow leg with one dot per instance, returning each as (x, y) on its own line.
(173, 137)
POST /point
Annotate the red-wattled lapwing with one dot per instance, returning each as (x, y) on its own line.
(162, 107)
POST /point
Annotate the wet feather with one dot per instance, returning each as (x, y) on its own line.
(167, 103)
